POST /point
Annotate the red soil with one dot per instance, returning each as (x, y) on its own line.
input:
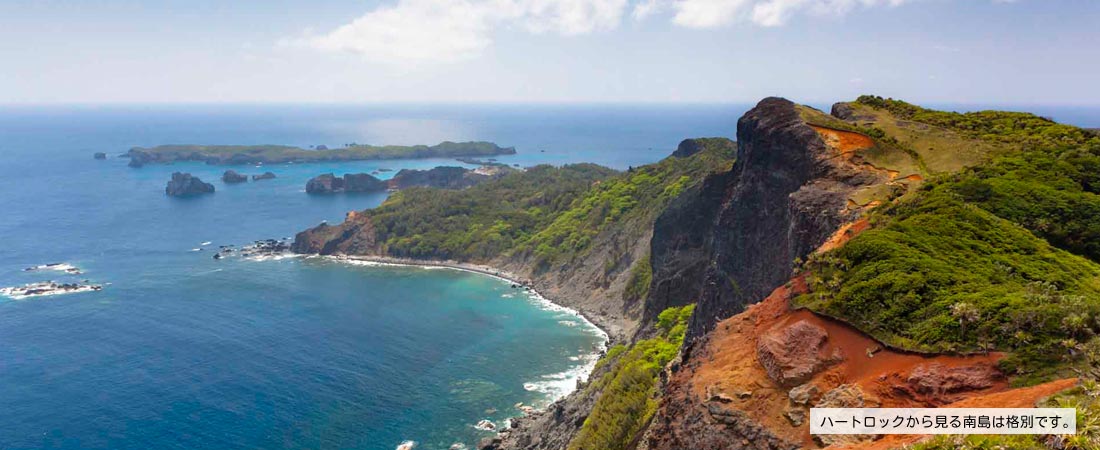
(845, 142)
(844, 234)
(728, 366)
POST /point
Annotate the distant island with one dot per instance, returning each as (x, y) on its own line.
(275, 154)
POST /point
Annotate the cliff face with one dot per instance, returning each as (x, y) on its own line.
(733, 240)
(353, 237)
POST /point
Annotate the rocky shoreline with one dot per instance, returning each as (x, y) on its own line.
(515, 280)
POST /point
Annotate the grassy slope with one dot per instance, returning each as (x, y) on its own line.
(629, 391)
(999, 256)
(552, 214)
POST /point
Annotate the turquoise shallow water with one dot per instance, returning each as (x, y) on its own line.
(181, 351)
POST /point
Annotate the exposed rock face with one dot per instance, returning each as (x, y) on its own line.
(793, 354)
(355, 236)
(263, 176)
(186, 185)
(352, 182)
(442, 177)
(734, 240)
(231, 176)
(100, 155)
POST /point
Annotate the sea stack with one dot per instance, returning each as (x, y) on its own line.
(186, 185)
(231, 176)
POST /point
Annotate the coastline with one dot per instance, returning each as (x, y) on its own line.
(504, 275)
(479, 269)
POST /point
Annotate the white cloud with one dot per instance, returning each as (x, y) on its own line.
(766, 13)
(440, 31)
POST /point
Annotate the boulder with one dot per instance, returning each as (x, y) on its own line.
(845, 396)
(231, 176)
(263, 176)
(792, 354)
(804, 394)
(100, 155)
(935, 379)
(185, 185)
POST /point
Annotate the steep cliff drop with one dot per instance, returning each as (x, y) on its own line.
(730, 242)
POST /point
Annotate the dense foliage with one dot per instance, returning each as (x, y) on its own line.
(938, 274)
(550, 213)
(638, 195)
(482, 221)
(628, 389)
(972, 261)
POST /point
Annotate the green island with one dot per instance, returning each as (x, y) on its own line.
(278, 154)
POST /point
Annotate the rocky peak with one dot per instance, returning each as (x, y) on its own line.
(732, 241)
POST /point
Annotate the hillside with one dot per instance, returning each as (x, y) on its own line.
(882, 254)
(579, 232)
(954, 284)
(278, 154)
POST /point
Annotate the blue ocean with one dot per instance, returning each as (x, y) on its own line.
(181, 351)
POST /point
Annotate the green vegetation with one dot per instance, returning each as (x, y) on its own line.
(1015, 128)
(550, 213)
(937, 274)
(1086, 399)
(271, 154)
(483, 221)
(983, 259)
(628, 389)
(637, 196)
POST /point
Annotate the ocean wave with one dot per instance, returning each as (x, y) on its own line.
(46, 288)
(60, 267)
(407, 445)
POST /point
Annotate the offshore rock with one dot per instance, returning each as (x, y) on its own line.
(231, 176)
(186, 185)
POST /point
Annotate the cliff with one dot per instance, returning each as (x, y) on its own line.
(733, 240)
(884, 255)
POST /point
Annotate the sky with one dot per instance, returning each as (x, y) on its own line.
(1007, 52)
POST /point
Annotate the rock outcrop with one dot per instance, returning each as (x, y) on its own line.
(687, 148)
(231, 176)
(100, 155)
(263, 176)
(186, 185)
(733, 240)
(352, 182)
(355, 236)
(793, 354)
